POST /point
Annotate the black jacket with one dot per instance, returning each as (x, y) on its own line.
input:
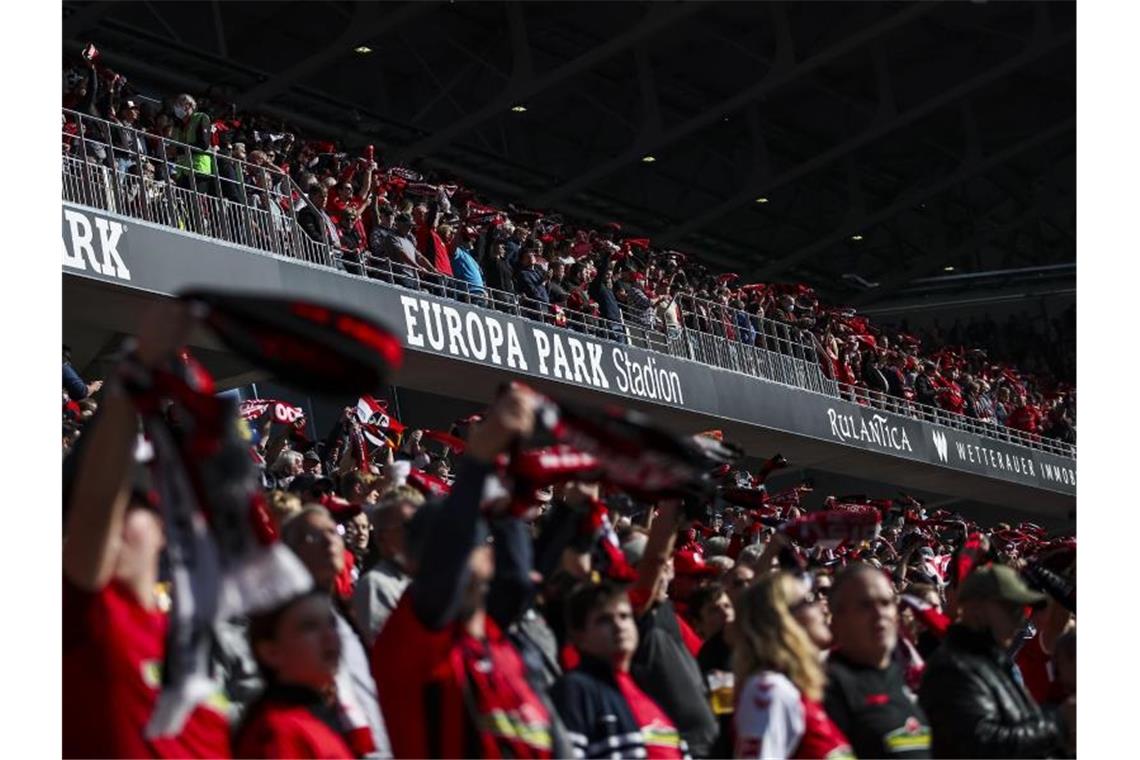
(977, 708)
(598, 719)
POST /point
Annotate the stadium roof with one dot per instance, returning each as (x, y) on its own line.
(884, 141)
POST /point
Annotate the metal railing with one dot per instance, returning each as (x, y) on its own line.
(946, 418)
(125, 171)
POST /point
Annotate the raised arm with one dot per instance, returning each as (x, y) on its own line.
(437, 592)
(101, 490)
(658, 550)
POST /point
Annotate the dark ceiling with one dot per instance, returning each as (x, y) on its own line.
(942, 133)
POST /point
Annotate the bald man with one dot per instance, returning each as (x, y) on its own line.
(866, 691)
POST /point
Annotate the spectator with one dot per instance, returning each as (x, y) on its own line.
(298, 651)
(497, 271)
(288, 465)
(430, 244)
(555, 275)
(531, 283)
(601, 290)
(866, 693)
(312, 535)
(400, 248)
(977, 707)
(606, 713)
(114, 632)
(380, 588)
(357, 538)
(714, 615)
(1024, 416)
(924, 391)
(73, 384)
(873, 376)
(745, 331)
(440, 694)
(382, 229)
(1002, 407)
(195, 129)
(315, 222)
(463, 264)
(779, 677)
(665, 664)
(311, 463)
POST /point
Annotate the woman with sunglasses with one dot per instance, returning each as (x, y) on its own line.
(780, 632)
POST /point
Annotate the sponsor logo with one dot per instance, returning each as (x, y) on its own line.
(878, 432)
(472, 334)
(939, 443)
(912, 735)
(93, 242)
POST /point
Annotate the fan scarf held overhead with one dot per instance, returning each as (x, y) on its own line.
(636, 455)
(224, 556)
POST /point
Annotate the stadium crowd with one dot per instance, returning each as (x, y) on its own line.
(393, 222)
(469, 594)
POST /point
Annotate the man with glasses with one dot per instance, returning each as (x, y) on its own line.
(866, 691)
(313, 536)
(972, 691)
(380, 588)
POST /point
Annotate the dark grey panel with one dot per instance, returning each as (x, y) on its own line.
(467, 342)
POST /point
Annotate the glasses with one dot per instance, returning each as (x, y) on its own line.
(808, 600)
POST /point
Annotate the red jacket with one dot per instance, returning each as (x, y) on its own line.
(446, 694)
(287, 722)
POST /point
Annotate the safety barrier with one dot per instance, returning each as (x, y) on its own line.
(125, 171)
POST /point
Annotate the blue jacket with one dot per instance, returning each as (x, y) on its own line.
(745, 331)
(598, 719)
(73, 383)
(464, 268)
(532, 284)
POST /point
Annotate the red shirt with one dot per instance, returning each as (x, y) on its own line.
(657, 731)
(1023, 418)
(430, 244)
(431, 682)
(279, 729)
(1038, 673)
(773, 719)
(112, 667)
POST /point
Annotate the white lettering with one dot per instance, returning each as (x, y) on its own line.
(578, 356)
(495, 339)
(109, 234)
(620, 364)
(515, 356)
(410, 305)
(432, 313)
(475, 329)
(599, 376)
(561, 365)
(455, 343)
(542, 343)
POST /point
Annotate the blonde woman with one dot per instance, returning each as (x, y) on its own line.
(779, 634)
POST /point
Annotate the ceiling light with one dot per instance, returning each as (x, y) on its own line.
(362, 49)
(648, 159)
(947, 269)
(856, 238)
(519, 109)
(761, 200)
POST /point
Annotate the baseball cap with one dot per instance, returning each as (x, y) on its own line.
(312, 456)
(691, 563)
(403, 218)
(305, 483)
(1000, 583)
